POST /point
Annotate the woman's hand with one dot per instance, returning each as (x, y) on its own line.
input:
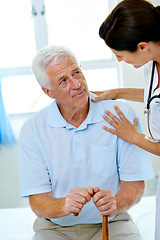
(132, 94)
(103, 95)
(123, 128)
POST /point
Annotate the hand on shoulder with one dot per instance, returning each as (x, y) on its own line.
(106, 94)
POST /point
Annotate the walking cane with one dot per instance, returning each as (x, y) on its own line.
(105, 228)
(105, 235)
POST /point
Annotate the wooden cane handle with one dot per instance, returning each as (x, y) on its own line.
(75, 214)
(105, 228)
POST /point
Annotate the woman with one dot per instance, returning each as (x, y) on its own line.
(132, 32)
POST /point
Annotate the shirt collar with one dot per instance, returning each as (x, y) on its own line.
(55, 119)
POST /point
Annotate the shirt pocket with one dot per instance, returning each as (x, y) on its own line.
(103, 160)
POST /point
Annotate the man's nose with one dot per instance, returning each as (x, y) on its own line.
(74, 82)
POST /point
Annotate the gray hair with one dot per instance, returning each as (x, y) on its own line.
(46, 56)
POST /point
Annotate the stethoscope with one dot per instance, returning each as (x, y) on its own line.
(149, 100)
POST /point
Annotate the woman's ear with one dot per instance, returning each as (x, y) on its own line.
(142, 46)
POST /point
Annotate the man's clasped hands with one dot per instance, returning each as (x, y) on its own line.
(104, 200)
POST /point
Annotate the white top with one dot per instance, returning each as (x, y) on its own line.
(155, 122)
(154, 112)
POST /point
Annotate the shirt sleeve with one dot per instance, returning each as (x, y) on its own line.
(134, 163)
(33, 172)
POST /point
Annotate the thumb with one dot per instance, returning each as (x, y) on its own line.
(90, 190)
(96, 190)
(99, 98)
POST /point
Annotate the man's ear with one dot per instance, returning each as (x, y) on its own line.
(47, 92)
(143, 46)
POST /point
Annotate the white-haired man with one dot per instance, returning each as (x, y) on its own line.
(70, 165)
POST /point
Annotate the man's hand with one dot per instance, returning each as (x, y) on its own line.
(105, 201)
(76, 199)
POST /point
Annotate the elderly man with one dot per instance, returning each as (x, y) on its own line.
(69, 165)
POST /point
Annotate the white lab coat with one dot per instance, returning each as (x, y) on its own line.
(154, 117)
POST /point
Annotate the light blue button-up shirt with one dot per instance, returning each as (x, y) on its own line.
(56, 156)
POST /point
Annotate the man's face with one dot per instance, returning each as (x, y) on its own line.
(68, 85)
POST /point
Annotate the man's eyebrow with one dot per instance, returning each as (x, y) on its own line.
(77, 68)
(62, 77)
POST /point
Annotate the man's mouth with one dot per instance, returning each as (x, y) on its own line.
(77, 95)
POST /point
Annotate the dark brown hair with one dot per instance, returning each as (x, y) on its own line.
(131, 22)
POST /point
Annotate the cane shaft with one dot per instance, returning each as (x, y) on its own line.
(105, 228)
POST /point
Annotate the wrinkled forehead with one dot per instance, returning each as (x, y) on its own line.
(61, 69)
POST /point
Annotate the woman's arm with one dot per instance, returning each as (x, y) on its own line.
(132, 94)
(126, 131)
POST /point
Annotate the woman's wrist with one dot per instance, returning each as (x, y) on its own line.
(137, 138)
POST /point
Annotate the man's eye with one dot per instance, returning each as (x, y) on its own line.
(63, 81)
(78, 72)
